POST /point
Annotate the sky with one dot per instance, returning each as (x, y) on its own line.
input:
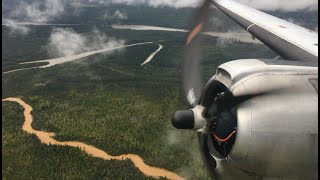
(284, 5)
(44, 11)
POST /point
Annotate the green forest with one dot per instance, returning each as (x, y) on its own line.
(105, 100)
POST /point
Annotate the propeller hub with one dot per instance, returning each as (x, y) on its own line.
(190, 119)
(183, 119)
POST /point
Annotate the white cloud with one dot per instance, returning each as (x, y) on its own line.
(161, 3)
(116, 15)
(284, 5)
(38, 11)
(15, 28)
(44, 11)
(119, 15)
(67, 42)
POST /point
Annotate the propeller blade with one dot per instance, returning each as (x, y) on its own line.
(192, 81)
(201, 16)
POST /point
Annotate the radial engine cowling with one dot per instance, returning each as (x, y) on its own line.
(276, 122)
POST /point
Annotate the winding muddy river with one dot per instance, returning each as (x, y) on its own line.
(60, 60)
(47, 138)
(152, 55)
(243, 36)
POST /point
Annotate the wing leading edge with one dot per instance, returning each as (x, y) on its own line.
(290, 41)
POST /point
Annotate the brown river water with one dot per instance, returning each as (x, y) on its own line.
(47, 138)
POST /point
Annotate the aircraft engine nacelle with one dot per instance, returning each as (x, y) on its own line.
(272, 109)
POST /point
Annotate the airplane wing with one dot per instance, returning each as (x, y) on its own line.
(290, 41)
